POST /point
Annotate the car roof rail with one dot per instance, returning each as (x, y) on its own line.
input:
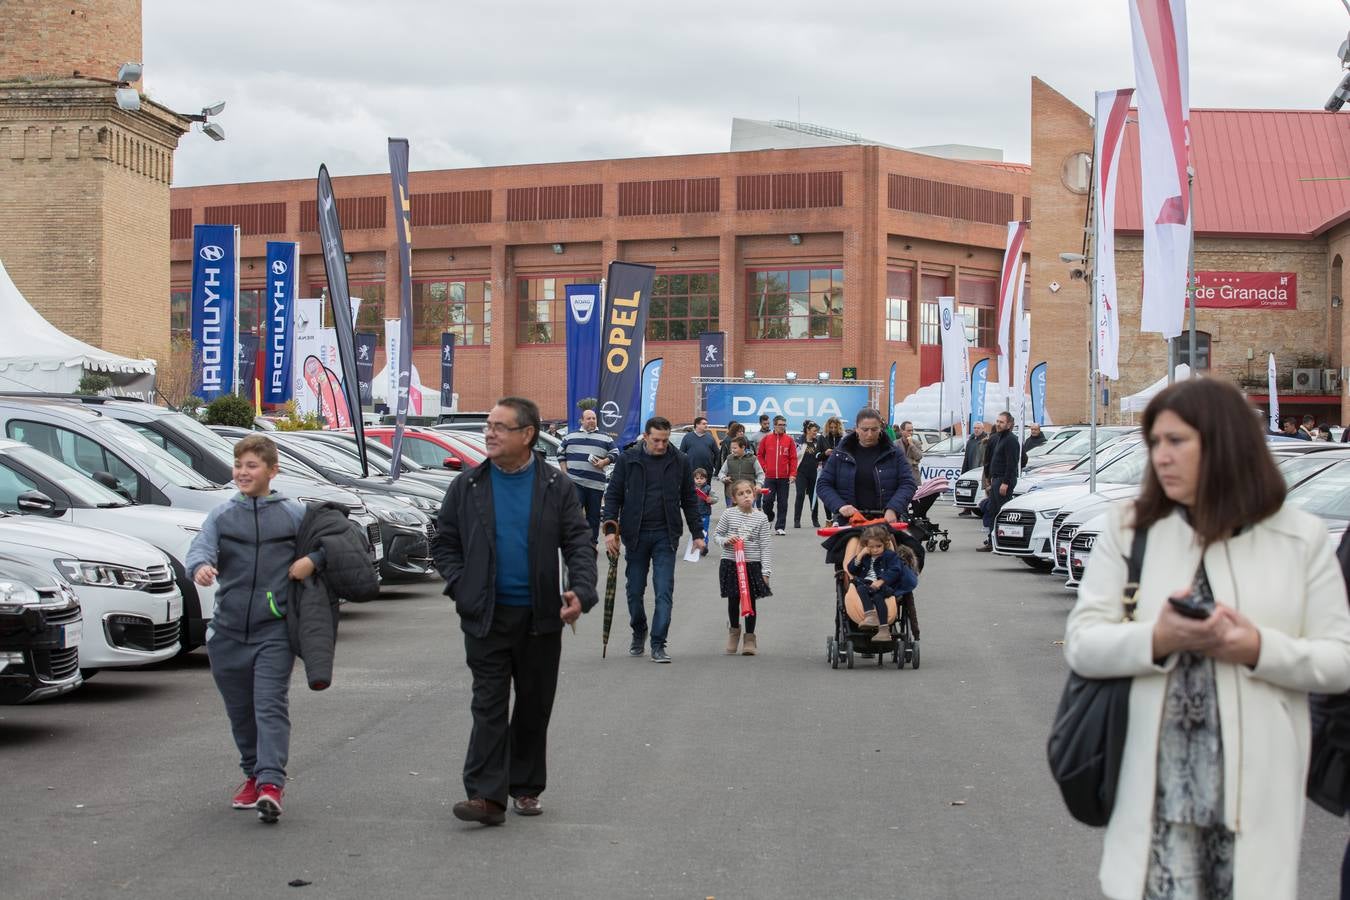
(91, 399)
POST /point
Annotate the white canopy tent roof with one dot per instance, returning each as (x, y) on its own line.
(36, 355)
(1136, 403)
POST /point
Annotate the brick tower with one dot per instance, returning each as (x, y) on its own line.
(84, 185)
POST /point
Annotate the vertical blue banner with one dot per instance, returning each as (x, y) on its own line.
(584, 315)
(712, 361)
(627, 294)
(979, 386)
(890, 396)
(215, 308)
(365, 365)
(281, 263)
(651, 383)
(1038, 394)
(447, 370)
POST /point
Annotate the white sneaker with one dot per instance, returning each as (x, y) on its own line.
(780, 531)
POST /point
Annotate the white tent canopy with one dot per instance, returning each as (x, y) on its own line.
(924, 406)
(1137, 402)
(36, 355)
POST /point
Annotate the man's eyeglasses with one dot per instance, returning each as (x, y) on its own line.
(499, 428)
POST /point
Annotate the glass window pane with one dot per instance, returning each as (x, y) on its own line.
(679, 330)
(837, 301)
(777, 305)
(698, 306)
(799, 304)
(679, 307)
(800, 327)
(679, 284)
(657, 309)
(698, 284)
(799, 280)
(820, 281)
(836, 328)
(660, 285)
(713, 307)
(656, 329)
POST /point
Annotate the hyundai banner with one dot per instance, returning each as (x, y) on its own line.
(215, 308)
(712, 359)
(448, 370)
(365, 364)
(282, 257)
(1038, 394)
(339, 295)
(625, 322)
(585, 313)
(651, 383)
(795, 402)
(979, 388)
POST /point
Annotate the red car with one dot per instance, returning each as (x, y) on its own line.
(434, 449)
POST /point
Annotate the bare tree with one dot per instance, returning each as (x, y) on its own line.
(175, 377)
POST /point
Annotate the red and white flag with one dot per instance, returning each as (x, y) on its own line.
(1112, 107)
(1009, 290)
(1162, 76)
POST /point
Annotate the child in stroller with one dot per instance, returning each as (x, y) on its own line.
(878, 572)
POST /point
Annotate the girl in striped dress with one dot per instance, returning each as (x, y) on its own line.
(749, 524)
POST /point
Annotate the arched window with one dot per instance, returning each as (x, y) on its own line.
(1181, 350)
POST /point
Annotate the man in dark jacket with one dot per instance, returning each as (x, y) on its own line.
(500, 530)
(651, 485)
(1000, 470)
(700, 446)
(866, 473)
(1034, 440)
(973, 458)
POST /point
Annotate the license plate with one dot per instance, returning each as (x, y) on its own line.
(379, 550)
(1011, 531)
(175, 609)
(70, 635)
(1079, 561)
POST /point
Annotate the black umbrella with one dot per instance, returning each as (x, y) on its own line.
(610, 585)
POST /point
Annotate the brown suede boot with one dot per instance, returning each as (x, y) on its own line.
(751, 646)
(734, 640)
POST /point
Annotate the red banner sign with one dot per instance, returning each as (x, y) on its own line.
(1247, 290)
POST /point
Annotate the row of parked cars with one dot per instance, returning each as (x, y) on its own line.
(1054, 518)
(100, 499)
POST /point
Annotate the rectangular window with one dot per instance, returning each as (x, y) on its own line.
(462, 307)
(795, 304)
(931, 287)
(899, 296)
(977, 300)
(180, 313)
(370, 315)
(541, 307)
(250, 311)
(683, 306)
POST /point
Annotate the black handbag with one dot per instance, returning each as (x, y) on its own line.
(1329, 771)
(1087, 741)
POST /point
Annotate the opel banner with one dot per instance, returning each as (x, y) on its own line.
(215, 308)
(627, 291)
(585, 313)
(282, 257)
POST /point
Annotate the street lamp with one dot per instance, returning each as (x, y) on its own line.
(790, 376)
(823, 376)
(210, 129)
(749, 374)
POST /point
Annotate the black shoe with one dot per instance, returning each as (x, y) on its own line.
(659, 655)
(986, 547)
(639, 642)
(796, 524)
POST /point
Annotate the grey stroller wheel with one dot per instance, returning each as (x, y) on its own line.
(914, 657)
(848, 656)
(834, 654)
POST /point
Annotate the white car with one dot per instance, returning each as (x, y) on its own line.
(130, 606)
(1072, 515)
(1080, 548)
(1023, 527)
(943, 459)
(32, 483)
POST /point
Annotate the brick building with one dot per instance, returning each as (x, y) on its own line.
(84, 185)
(809, 259)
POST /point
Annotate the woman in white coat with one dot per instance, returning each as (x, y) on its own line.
(1211, 795)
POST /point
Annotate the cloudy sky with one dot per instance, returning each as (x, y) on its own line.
(519, 81)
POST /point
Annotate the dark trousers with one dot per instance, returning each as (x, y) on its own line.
(776, 501)
(806, 490)
(255, 681)
(734, 614)
(874, 599)
(996, 501)
(591, 500)
(653, 551)
(507, 758)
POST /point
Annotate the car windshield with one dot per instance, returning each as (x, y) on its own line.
(379, 463)
(947, 445)
(328, 456)
(1296, 468)
(1127, 468)
(1081, 443)
(1104, 455)
(130, 443)
(1326, 495)
(1052, 443)
(85, 490)
(222, 448)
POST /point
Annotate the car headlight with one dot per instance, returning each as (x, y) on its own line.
(77, 571)
(14, 596)
(1049, 513)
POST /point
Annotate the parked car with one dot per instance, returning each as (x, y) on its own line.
(129, 605)
(1126, 459)
(545, 443)
(40, 630)
(1068, 452)
(444, 447)
(1326, 495)
(381, 458)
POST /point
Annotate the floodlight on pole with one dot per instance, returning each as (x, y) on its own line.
(130, 72)
(214, 109)
(128, 99)
(1072, 258)
(213, 131)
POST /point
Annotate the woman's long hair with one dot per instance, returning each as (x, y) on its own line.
(834, 427)
(1238, 483)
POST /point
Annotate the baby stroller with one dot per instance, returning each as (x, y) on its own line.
(921, 528)
(851, 639)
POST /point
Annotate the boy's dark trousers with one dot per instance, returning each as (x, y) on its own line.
(507, 758)
(255, 680)
(776, 501)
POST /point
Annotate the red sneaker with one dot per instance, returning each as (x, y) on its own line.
(269, 803)
(247, 795)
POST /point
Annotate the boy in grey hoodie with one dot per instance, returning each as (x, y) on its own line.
(248, 544)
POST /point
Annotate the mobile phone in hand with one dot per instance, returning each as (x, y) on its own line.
(1189, 606)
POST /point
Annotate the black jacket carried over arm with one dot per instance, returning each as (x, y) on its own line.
(312, 620)
(465, 552)
(627, 489)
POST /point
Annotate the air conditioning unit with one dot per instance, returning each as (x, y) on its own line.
(1331, 381)
(1307, 381)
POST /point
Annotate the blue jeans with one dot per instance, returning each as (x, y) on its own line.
(590, 500)
(652, 548)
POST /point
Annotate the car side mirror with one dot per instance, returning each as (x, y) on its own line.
(452, 462)
(37, 503)
(108, 481)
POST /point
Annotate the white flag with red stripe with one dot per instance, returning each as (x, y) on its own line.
(1008, 292)
(1162, 76)
(1112, 107)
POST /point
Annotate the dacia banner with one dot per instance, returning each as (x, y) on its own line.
(339, 294)
(585, 313)
(215, 308)
(979, 388)
(448, 370)
(365, 364)
(1038, 394)
(398, 174)
(651, 383)
(890, 395)
(712, 359)
(247, 363)
(628, 288)
(795, 402)
(282, 257)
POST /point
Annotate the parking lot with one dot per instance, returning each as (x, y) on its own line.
(716, 776)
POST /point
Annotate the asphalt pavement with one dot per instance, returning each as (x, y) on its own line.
(726, 777)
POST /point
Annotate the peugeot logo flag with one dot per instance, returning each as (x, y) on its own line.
(625, 322)
(335, 268)
(398, 174)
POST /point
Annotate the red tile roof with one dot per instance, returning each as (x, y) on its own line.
(1257, 172)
